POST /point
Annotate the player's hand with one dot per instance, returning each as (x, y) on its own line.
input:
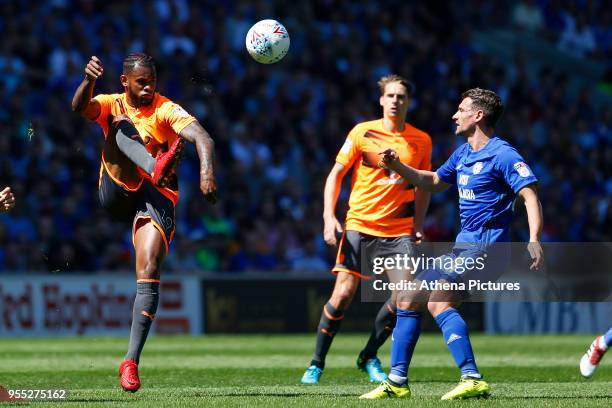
(331, 227)
(7, 199)
(208, 186)
(536, 253)
(419, 237)
(389, 158)
(94, 69)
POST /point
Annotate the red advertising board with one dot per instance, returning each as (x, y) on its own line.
(92, 305)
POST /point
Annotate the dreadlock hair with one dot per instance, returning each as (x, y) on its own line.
(138, 59)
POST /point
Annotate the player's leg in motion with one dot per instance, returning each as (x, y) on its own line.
(383, 326)
(405, 336)
(130, 144)
(118, 164)
(591, 359)
(150, 251)
(331, 318)
(386, 318)
(456, 335)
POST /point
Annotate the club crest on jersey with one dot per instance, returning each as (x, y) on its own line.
(522, 169)
(477, 168)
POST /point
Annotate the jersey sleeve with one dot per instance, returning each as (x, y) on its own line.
(351, 148)
(106, 102)
(514, 170)
(175, 116)
(448, 171)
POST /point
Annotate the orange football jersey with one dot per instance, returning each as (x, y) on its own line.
(381, 202)
(158, 123)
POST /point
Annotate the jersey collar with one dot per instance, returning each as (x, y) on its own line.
(485, 153)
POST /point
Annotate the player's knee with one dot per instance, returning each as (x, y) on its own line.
(393, 298)
(345, 289)
(149, 268)
(121, 118)
(340, 301)
(122, 126)
(408, 301)
(435, 308)
(344, 294)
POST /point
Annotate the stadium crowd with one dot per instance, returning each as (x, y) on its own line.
(278, 128)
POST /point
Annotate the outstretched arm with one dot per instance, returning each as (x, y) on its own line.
(423, 179)
(82, 102)
(205, 146)
(534, 217)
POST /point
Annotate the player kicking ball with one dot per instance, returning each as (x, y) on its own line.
(591, 359)
(144, 134)
(489, 174)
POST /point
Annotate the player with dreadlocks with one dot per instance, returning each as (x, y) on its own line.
(144, 133)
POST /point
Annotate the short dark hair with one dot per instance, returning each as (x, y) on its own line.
(387, 79)
(138, 58)
(487, 101)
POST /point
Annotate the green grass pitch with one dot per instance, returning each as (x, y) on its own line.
(225, 371)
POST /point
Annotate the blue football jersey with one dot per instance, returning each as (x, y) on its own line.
(487, 182)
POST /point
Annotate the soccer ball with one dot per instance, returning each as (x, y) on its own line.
(267, 41)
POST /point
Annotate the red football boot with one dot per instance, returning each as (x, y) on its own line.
(128, 372)
(166, 162)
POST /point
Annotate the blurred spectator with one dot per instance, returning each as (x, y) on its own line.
(310, 261)
(577, 38)
(527, 15)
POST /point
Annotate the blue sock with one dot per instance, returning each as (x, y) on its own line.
(455, 332)
(607, 338)
(405, 336)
